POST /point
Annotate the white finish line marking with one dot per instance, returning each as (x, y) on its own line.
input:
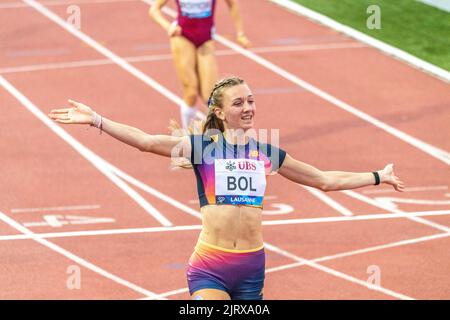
(379, 216)
(59, 221)
(169, 57)
(410, 189)
(62, 208)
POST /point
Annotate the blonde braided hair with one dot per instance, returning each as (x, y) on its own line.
(216, 100)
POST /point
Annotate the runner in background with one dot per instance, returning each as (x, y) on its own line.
(193, 48)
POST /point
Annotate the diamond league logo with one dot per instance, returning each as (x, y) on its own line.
(220, 199)
(230, 166)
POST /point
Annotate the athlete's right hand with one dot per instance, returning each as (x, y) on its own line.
(77, 114)
(174, 30)
(243, 41)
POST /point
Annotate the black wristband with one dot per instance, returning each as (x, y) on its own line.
(377, 178)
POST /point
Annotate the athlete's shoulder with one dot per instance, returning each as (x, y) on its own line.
(201, 140)
(272, 152)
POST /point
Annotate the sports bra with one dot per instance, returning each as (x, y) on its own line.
(232, 174)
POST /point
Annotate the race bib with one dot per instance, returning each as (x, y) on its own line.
(196, 8)
(240, 181)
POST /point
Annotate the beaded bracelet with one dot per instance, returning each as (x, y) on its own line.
(98, 122)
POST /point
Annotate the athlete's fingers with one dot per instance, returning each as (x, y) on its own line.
(64, 110)
(56, 116)
(60, 117)
(74, 103)
(52, 114)
(399, 187)
(66, 121)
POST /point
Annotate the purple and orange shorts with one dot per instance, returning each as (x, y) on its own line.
(240, 273)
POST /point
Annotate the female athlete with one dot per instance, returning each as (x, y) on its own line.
(231, 168)
(193, 48)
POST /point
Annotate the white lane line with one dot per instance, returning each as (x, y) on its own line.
(388, 208)
(15, 5)
(412, 60)
(329, 201)
(57, 221)
(331, 257)
(168, 294)
(168, 57)
(365, 250)
(62, 65)
(336, 273)
(391, 202)
(64, 208)
(84, 233)
(439, 4)
(89, 233)
(303, 47)
(104, 51)
(379, 216)
(75, 258)
(410, 189)
(98, 162)
(433, 151)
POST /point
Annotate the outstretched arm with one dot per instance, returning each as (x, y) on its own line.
(238, 24)
(163, 145)
(308, 175)
(155, 13)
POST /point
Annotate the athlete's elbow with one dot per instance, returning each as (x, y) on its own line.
(143, 148)
(332, 185)
(146, 145)
(326, 185)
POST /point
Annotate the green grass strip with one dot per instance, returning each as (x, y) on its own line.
(414, 27)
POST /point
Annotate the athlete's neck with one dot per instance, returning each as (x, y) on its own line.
(233, 136)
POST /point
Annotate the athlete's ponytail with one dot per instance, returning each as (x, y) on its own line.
(216, 101)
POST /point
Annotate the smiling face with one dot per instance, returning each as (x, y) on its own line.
(239, 109)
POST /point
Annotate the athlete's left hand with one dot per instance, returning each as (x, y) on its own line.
(243, 41)
(174, 30)
(387, 176)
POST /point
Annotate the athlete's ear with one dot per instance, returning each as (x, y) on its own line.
(219, 113)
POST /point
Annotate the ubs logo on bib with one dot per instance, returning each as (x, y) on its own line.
(246, 165)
